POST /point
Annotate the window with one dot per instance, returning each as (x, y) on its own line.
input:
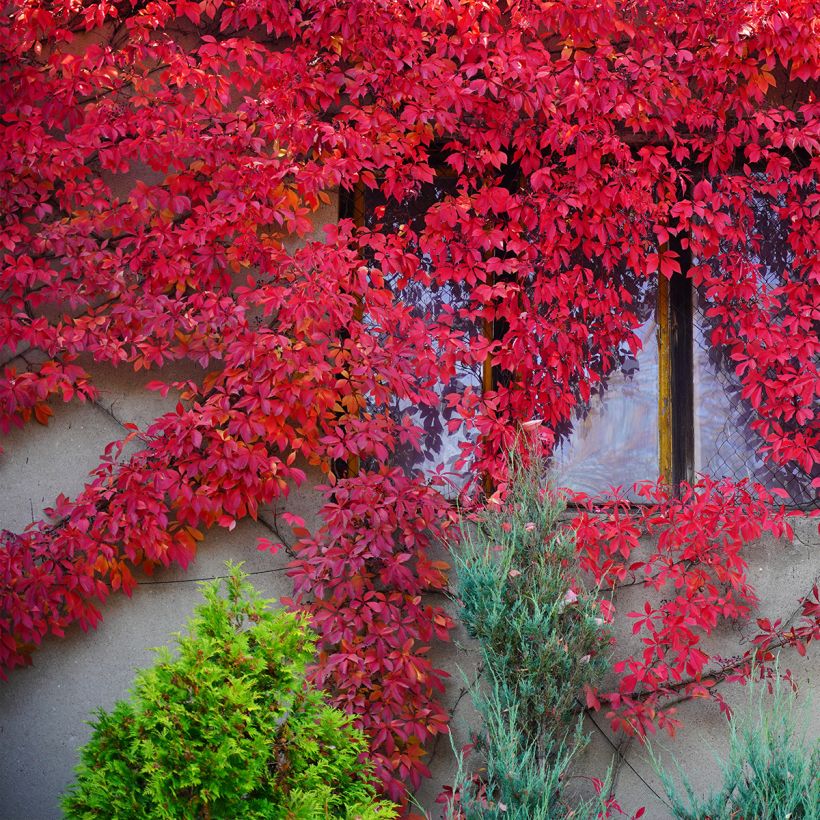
(614, 438)
(673, 409)
(725, 442)
(677, 408)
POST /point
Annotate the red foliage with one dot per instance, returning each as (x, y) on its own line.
(582, 136)
(363, 576)
(697, 574)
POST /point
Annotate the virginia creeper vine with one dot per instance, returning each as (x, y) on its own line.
(161, 159)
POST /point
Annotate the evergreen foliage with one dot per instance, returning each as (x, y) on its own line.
(771, 772)
(540, 639)
(227, 729)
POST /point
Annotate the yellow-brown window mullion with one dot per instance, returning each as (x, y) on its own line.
(665, 438)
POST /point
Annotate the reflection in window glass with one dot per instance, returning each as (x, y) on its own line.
(438, 446)
(725, 443)
(614, 439)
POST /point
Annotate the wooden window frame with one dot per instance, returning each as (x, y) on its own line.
(676, 372)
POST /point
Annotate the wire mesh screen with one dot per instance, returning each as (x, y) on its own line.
(726, 445)
(428, 300)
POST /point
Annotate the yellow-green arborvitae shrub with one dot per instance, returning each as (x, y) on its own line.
(227, 728)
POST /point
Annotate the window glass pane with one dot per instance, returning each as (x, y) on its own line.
(725, 446)
(438, 445)
(614, 439)
(725, 443)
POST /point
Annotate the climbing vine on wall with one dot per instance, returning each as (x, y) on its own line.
(159, 160)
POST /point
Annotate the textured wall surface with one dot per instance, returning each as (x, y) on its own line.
(43, 708)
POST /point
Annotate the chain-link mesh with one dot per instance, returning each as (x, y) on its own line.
(725, 442)
(726, 445)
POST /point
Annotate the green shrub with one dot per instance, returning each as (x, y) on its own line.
(227, 729)
(771, 772)
(540, 641)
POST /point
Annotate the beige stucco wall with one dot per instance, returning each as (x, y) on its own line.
(43, 708)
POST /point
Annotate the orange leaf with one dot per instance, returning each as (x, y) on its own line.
(42, 412)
